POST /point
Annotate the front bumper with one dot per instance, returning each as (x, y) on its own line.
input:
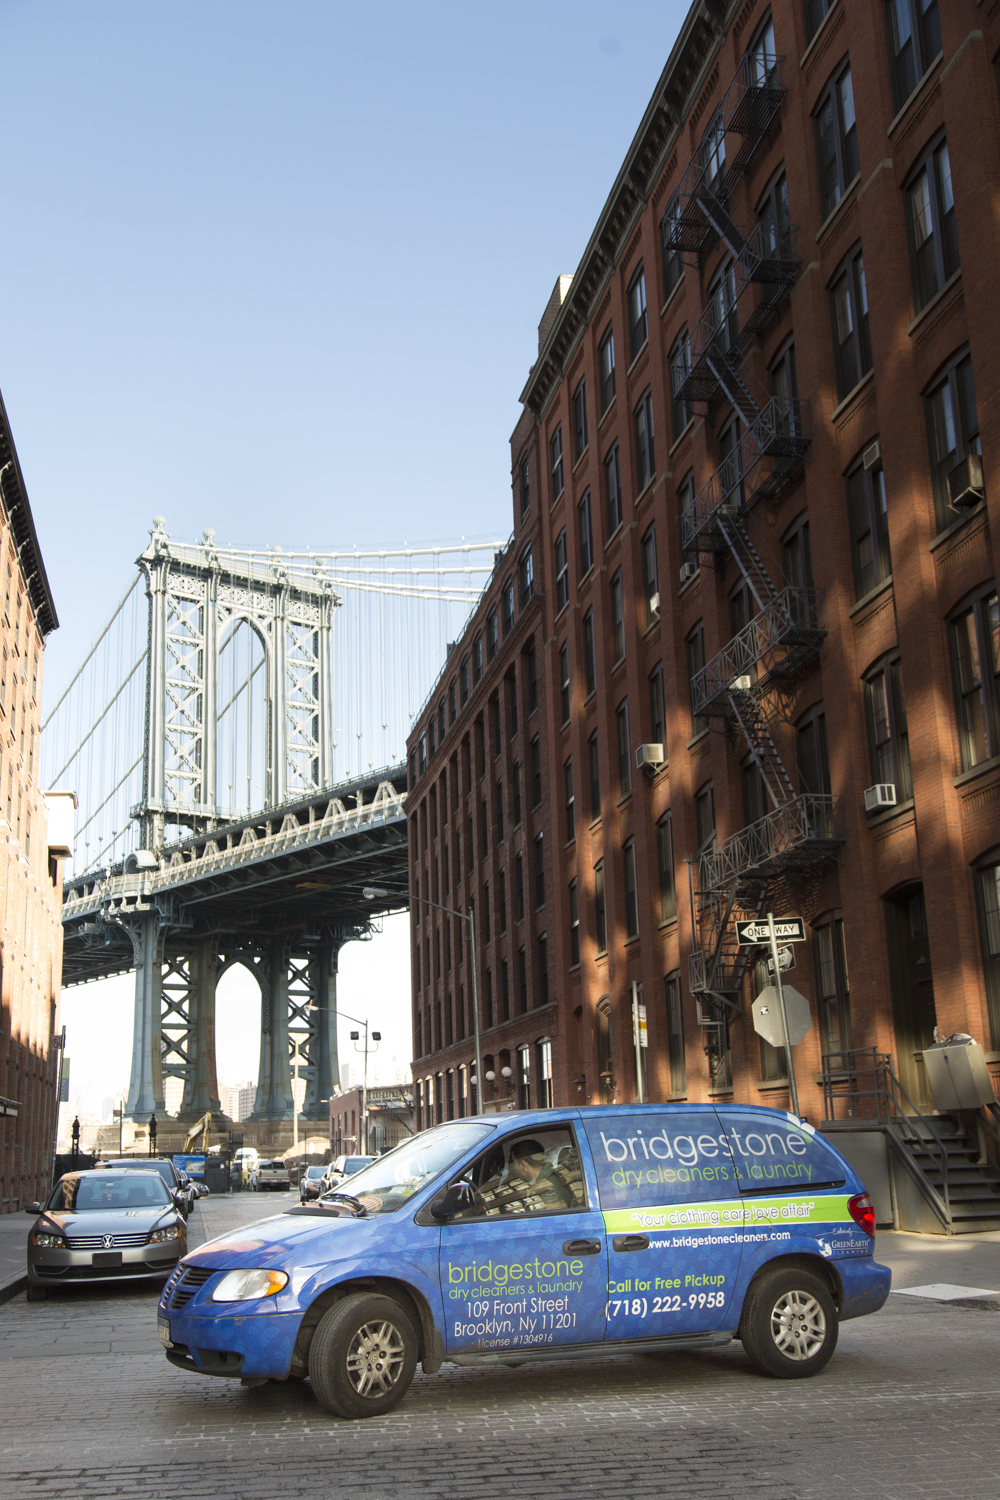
(60, 1267)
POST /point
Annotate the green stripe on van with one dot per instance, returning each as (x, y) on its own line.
(727, 1213)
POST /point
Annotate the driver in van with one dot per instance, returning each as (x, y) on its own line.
(531, 1184)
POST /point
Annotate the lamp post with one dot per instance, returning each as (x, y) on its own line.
(373, 893)
(356, 1037)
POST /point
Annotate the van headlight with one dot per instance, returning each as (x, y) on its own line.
(172, 1232)
(48, 1241)
(244, 1286)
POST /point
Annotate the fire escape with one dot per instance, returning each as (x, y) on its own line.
(740, 686)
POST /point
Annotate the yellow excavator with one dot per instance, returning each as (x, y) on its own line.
(200, 1127)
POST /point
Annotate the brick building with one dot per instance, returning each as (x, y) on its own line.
(30, 869)
(742, 650)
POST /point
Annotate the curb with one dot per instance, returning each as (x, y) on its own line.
(11, 1287)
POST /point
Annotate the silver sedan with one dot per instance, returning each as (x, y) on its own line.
(104, 1225)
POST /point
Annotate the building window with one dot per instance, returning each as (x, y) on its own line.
(526, 576)
(491, 635)
(477, 658)
(704, 816)
(502, 900)
(637, 325)
(988, 902)
(556, 462)
(589, 653)
(975, 663)
(888, 740)
(539, 870)
(849, 313)
(532, 676)
(613, 491)
(564, 682)
(675, 1033)
(499, 824)
(869, 517)
(522, 982)
(953, 428)
(722, 307)
(685, 502)
(463, 678)
(931, 219)
(574, 925)
(586, 535)
(504, 991)
(569, 800)
(631, 891)
(489, 999)
(600, 915)
(645, 460)
(536, 772)
(617, 618)
(657, 722)
(452, 701)
(785, 393)
(836, 141)
(665, 868)
(914, 42)
(650, 582)
(680, 371)
(815, 11)
(542, 991)
(524, 1077)
(774, 220)
(624, 753)
(670, 241)
(562, 572)
(579, 419)
(796, 562)
(731, 463)
(594, 766)
(712, 154)
(606, 360)
(525, 485)
(811, 752)
(832, 990)
(695, 648)
(543, 1060)
(511, 684)
(515, 785)
(507, 607)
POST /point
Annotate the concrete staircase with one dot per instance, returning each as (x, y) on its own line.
(955, 1175)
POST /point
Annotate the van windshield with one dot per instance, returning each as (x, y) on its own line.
(392, 1180)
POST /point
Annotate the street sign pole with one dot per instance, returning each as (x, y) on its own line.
(793, 1091)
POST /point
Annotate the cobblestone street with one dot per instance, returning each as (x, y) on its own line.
(92, 1409)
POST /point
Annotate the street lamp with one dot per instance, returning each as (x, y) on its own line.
(355, 1037)
(374, 893)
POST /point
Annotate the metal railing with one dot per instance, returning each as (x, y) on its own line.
(782, 430)
(794, 617)
(802, 830)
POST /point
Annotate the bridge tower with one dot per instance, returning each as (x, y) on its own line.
(198, 596)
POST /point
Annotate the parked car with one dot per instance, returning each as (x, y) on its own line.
(538, 1235)
(343, 1167)
(310, 1183)
(269, 1176)
(176, 1180)
(104, 1225)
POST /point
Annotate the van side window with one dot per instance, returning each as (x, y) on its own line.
(772, 1152)
(644, 1158)
(538, 1172)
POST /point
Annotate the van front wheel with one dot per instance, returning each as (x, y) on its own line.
(789, 1324)
(363, 1356)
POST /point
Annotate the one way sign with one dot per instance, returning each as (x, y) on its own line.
(786, 930)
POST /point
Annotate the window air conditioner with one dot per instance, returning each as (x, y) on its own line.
(649, 755)
(872, 456)
(882, 795)
(688, 570)
(965, 482)
(741, 684)
(730, 507)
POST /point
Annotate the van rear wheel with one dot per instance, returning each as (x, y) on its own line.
(789, 1324)
(363, 1356)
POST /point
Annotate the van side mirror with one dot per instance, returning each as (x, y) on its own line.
(456, 1198)
(32, 1208)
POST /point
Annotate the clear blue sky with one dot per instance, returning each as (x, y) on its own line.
(277, 268)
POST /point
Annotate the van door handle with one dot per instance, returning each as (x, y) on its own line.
(631, 1241)
(582, 1247)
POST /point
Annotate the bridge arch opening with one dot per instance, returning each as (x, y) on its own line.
(237, 1034)
(242, 722)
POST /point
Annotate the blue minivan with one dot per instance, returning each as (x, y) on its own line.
(546, 1234)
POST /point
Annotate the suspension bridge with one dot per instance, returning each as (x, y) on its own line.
(236, 737)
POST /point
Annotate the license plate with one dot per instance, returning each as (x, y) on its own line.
(163, 1329)
(106, 1258)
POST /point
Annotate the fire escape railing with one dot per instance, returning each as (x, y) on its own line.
(793, 619)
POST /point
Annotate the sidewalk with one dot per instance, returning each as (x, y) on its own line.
(957, 1260)
(13, 1252)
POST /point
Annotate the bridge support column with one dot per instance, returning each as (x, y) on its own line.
(201, 1087)
(324, 1074)
(274, 1075)
(145, 1090)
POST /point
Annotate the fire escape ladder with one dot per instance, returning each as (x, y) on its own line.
(763, 749)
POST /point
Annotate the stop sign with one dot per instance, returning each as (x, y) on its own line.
(766, 1011)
